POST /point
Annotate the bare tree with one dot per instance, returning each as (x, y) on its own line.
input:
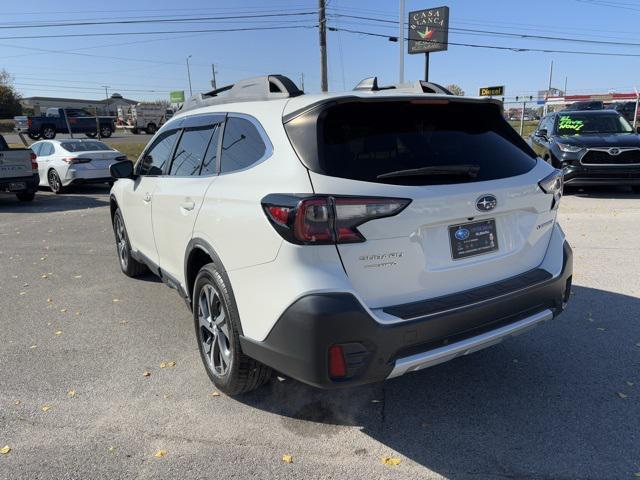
(9, 98)
(455, 89)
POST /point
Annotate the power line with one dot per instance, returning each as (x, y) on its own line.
(164, 20)
(505, 34)
(115, 34)
(494, 47)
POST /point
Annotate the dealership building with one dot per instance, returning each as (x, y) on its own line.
(108, 106)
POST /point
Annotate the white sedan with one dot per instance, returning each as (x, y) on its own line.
(62, 163)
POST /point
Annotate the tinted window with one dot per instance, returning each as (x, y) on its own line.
(85, 146)
(242, 145)
(369, 140)
(3, 144)
(156, 157)
(210, 165)
(190, 151)
(46, 149)
(586, 123)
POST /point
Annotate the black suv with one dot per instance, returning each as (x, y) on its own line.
(595, 147)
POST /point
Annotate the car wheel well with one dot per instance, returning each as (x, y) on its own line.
(113, 205)
(198, 258)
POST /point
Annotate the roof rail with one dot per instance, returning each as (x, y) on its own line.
(269, 87)
(371, 84)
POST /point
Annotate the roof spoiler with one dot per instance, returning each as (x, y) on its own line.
(269, 87)
(370, 84)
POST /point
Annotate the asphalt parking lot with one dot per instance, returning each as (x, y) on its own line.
(560, 402)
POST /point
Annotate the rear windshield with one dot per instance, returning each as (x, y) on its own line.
(417, 143)
(586, 123)
(85, 146)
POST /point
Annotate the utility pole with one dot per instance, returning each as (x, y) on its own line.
(213, 76)
(106, 96)
(565, 86)
(189, 76)
(550, 78)
(302, 81)
(322, 28)
(401, 42)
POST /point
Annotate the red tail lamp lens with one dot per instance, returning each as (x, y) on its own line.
(337, 365)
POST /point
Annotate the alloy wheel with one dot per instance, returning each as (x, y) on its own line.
(121, 243)
(48, 133)
(214, 330)
(54, 181)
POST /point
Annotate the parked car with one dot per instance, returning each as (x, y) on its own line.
(592, 148)
(627, 110)
(586, 105)
(63, 163)
(55, 121)
(18, 171)
(312, 237)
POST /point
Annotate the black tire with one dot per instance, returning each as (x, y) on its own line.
(33, 135)
(151, 129)
(129, 265)
(91, 134)
(55, 184)
(242, 373)
(105, 132)
(26, 196)
(48, 132)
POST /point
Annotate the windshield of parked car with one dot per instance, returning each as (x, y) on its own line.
(85, 146)
(586, 123)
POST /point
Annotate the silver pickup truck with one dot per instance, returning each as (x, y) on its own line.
(18, 171)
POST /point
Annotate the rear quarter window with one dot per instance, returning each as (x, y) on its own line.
(363, 140)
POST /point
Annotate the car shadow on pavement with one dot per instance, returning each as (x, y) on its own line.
(601, 192)
(77, 198)
(562, 401)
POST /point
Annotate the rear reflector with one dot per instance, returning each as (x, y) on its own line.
(337, 365)
(326, 219)
(34, 164)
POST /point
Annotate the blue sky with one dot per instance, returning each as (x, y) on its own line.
(149, 66)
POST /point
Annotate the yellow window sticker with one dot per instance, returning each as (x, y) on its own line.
(568, 123)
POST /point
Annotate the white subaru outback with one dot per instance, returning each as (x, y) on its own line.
(346, 238)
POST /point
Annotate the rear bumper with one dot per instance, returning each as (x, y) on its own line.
(298, 344)
(579, 175)
(31, 183)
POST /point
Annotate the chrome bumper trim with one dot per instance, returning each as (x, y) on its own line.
(467, 346)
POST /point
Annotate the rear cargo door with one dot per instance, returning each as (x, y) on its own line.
(14, 162)
(477, 214)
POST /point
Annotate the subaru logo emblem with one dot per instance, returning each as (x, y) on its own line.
(614, 151)
(462, 234)
(486, 203)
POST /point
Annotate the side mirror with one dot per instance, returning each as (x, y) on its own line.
(123, 169)
(542, 133)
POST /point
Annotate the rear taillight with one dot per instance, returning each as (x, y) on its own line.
(74, 160)
(29, 121)
(337, 365)
(34, 164)
(326, 219)
(552, 184)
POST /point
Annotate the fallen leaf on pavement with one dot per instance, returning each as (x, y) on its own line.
(63, 310)
(168, 364)
(4, 450)
(160, 453)
(147, 374)
(58, 333)
(123, 322)
(77, 276)
(111, 449)
(46, 408)
(18, 402)
(71, 393)
(391, 461)
(49, 300)
(115, 300)
(78, 313)
(215, 394)
(23, 293)
(33, 346)
(287, 458)
(622, 395)
(44, 275)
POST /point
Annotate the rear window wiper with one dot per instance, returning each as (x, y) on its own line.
(470, 171)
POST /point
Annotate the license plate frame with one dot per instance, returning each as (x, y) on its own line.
(17, 186)
(473, 238)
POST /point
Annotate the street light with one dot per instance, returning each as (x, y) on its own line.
(189, 76)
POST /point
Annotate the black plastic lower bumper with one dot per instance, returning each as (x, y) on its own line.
(31, 184)
(298, 344)
(578, 175)
(83, 181)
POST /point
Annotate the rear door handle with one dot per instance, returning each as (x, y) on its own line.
(188, 205)
(147, 198)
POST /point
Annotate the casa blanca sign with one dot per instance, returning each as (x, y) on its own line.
(429, 30)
